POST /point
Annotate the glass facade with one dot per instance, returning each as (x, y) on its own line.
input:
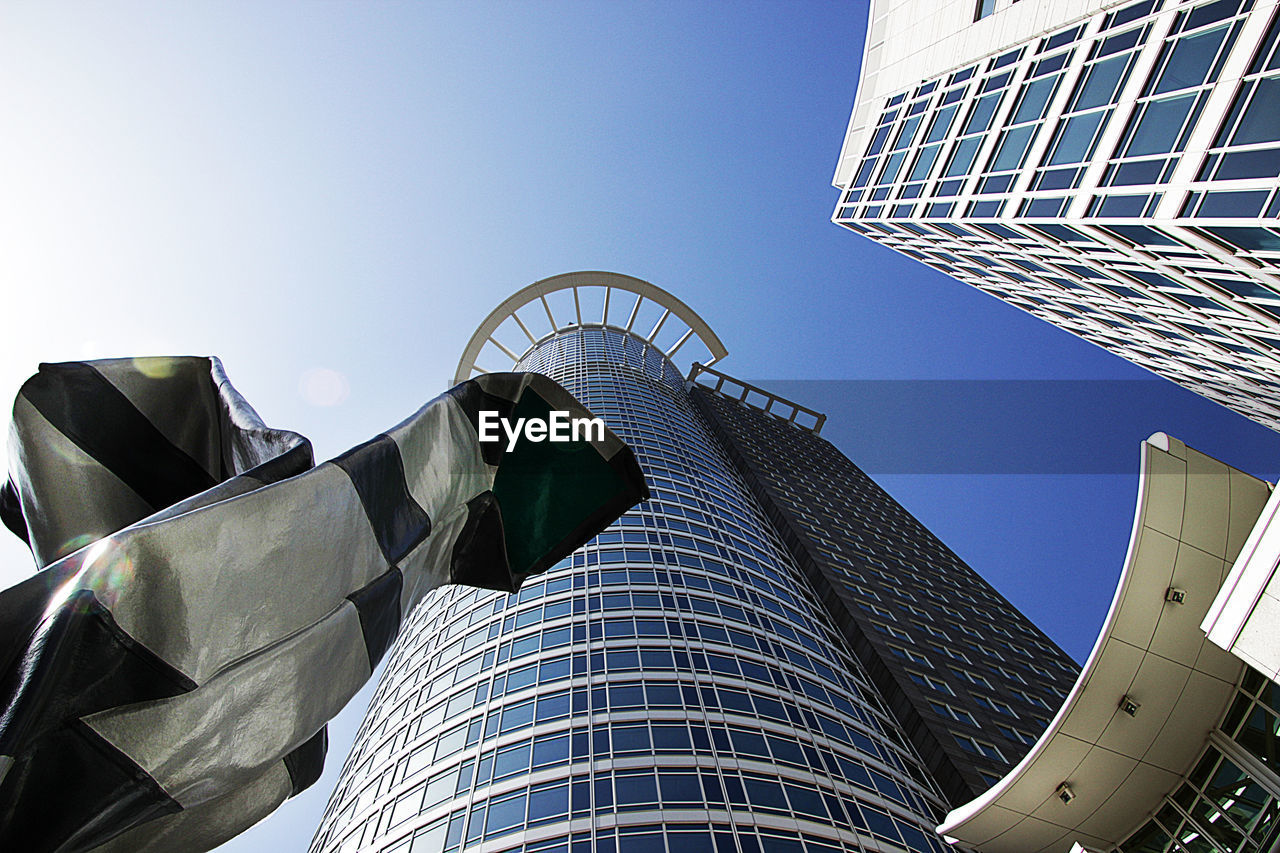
(969, 677)
(673, 686)
(1116, 176)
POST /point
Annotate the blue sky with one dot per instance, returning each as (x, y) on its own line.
(330, 196)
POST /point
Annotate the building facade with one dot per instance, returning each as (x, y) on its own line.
(676, 685)
(972, 682)
(1111, 168)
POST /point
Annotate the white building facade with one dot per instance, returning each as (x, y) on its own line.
(1111, 168)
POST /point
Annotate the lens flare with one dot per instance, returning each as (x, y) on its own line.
(105, 568)
(155, 367)
(74, 544)
(321, 386)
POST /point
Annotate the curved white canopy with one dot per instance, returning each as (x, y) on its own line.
(1193, 515)
(612, 316)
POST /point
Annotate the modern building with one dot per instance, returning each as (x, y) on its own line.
(1168, 741)
(972, 681)
(713, 672)
(1110, 167)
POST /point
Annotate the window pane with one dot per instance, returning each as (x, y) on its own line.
(1160, 126)
(636, 790)
(891, 168)
(1035, 98)
(1190, 60)
(1241, 204)
(1250, 164)
(548, 802)
(1252, 239)
(980, 118)
(1261, 121)
(903, 138)
(1012, 148)
(962, 159)
(924, 162)
(1149, 839)
(1075, 139)
(1099, 88)
(506, 813)
(941, 123)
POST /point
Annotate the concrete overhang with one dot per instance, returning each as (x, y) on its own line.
(1153, 687)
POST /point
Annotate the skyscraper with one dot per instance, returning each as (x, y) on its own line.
(972, 681)
(1109, 167)
(678, 684)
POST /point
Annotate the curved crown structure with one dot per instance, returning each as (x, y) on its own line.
(598, 299)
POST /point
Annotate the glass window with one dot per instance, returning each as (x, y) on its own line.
(548, 802)
(1249, 164)
(941, 123)
(1104, 79)
(924, 162)
(1233, 205)
(1035, 99)
(1142, 236)
(680, 788)
(636, 789)
(550, 750)
(983, 110)
(512, 759)
(1189, 60)
(962, 158)
(1158, 128)
(1012, 148)
(1249, 239)
(765, 793)
(1149, 839)
(1075, 139)
(1261, 119)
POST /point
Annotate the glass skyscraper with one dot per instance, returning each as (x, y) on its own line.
(970, 679)
(1108, 167)
(677, 684)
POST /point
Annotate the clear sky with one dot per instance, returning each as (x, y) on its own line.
(330, 196)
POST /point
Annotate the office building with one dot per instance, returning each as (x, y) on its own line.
(1109, 167)
(970, 679)
(679, 684)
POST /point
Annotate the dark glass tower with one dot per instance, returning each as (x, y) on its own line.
(970, 679)
(676, 685)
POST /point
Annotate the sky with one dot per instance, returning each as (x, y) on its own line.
(330, 196)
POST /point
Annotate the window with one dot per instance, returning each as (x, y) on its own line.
(979, 747)
(993, 705)
(954, 713)
(930, 682)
